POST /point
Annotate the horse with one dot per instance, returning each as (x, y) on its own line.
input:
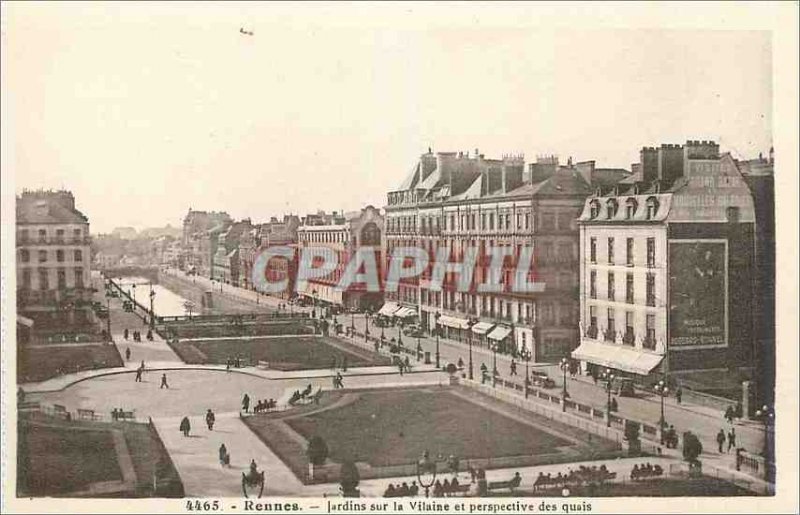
(254, 479)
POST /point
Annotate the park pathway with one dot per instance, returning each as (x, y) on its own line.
(197, 457)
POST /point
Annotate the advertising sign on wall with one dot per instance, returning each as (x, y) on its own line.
(698, 293)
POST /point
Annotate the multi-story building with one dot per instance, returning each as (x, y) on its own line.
(343, 234)
(53, 260)
(667, 269)
(201, 230)
(275, 232)
(453, 201)
(226, 262)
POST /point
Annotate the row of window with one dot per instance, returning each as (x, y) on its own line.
(629, 336)
(44, 279)
(25, 236)
(611, 294)
(25, 256)
(629, 251)
(631, 205)
(323, 237)
(486, 221)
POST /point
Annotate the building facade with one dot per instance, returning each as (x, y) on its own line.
(53, 260)
(343, 234)
(201, 230)
(454, 202)
(667, 271)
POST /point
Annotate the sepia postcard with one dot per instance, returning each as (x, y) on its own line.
(424, 257)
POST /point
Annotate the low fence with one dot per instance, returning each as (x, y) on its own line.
(704, 399)
(166, 478)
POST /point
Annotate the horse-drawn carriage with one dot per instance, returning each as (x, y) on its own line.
(254, 480)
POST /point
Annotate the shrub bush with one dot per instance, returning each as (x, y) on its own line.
(317, 450)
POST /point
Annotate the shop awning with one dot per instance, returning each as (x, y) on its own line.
(499, 333)
(405, 312)
(482, 327)
(618, 357)
(455, 323)
(388, 309)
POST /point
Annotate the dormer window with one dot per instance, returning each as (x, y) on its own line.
(652, 207)
(611, 208)
(594, 209)
(630, 208)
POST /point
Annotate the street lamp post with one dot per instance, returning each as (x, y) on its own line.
(108, 319)
(526, 355)
(469, 340)
(662, 390)
(767, 415)
(426, 468)
(438, 315)
(400, 333)
(134, 297)
(609, 378)
(152, 312)
(494, 364)
(564, 394)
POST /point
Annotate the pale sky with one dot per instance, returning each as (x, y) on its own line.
(145, 110)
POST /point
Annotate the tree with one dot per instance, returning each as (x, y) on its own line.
(349, 478)
(317, 450)
(632, 437)
(692, 448)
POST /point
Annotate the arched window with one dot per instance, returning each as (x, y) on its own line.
(611, 208)
(652, 207)
(630, 208)
(594, 209)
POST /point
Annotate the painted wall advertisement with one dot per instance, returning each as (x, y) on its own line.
(698, 293)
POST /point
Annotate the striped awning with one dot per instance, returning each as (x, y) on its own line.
(454, 322)
(388, 309)
(500, 332)
(618, 357)
(405, 312)
(482, 327)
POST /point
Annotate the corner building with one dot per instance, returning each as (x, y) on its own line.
(667, 272)
(453, 201)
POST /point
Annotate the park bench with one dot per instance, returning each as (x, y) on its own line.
(61, 411)
(511, 484)
(86, 414)
(29, 406)
(264, 365)
(126, 415)
(461, 489)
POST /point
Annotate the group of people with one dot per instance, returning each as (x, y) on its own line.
(732, 413)
(671, 437)
(582, 475)
(233, 362)
(402, 490)
(117, 414)
(186, 426)
(646, 471)
(297, 395)
(137, 335)
(731, 439)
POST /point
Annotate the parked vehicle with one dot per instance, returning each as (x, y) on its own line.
(413, 331)
(624, 388)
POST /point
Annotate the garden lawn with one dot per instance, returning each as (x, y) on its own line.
(395, 427)
(41, 362)
(291, 353)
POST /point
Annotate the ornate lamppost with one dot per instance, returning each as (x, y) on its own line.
(494, 363)
(526, 355)
(152, 312)
(609, 378)
(438, 315)
(564, 395)
(767, 415)
(662, 390)
(426, 472)
(134, 297)
(108, 319)
(472, 321)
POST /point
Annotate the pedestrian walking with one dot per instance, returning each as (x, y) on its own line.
(114, 414)
(401, 367)
(720, 440)
(127, 353)
(678, 394)
(185, 426)
(246, 403)
(138, 375)
(164, 382)
(210, 419)
(731, 439)
(339, 380)
(513, 367)
(142, 366)
(125, 334)
(407, 364)
(224, 457)
(729, 414)
(460, 363)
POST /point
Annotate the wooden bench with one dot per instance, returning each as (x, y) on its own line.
(264, 365)
(511, 484)
(30, 406)
(61, 411)
(126, 415)
(86, 414)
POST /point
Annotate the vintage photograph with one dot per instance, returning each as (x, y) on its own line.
(430, 252)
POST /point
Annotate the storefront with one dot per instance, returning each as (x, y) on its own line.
(481, 329)
(454, 328)
(500, 336)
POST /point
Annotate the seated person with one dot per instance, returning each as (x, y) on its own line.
(390, 491)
